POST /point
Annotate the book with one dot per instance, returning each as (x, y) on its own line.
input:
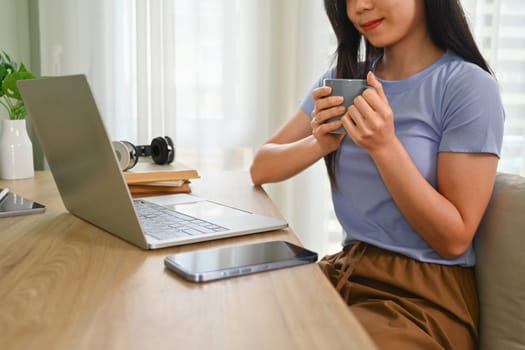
(159, 188)
(147, 172)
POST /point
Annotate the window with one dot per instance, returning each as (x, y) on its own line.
(499, 28)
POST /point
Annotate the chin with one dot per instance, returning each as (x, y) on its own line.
(378, 43)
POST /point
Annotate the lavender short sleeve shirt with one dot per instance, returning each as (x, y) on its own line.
(452, 106)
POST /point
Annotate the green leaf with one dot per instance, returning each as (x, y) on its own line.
(22, 68)
(3, 74)
(9, 84)
(7, 63)
(19, 111)
(5, 56)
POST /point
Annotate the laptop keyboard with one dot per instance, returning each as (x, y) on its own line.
(164, 223)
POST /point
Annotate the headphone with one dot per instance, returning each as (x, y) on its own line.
(161, 151)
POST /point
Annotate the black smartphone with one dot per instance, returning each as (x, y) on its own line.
(13, 205)
(218, 263)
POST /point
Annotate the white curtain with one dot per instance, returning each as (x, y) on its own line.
(220, 76)
(499, 29)
(94, 38)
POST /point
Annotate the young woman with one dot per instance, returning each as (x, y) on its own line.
(413, 175)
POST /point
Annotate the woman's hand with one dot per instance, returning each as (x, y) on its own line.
(326, 107)
(369, 121)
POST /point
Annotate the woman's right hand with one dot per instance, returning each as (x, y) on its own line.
(327, 107)
(300, 142)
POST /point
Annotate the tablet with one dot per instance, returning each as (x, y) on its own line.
(218, 263)
(13, 205)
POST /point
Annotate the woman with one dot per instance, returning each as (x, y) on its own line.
(413, 175)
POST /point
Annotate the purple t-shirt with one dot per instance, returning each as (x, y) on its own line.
(452, 106)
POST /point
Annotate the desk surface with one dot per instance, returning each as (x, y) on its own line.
(65, 284)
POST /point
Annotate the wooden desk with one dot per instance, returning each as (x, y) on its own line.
(65, 284)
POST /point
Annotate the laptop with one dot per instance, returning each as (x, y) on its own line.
(85, 168)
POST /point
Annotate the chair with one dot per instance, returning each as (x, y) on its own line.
(500, 269)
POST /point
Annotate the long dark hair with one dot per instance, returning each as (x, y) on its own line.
(446, 24)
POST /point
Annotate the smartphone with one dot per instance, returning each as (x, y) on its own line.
(219, 263)
(13, 205)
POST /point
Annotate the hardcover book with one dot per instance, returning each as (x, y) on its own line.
(159, 188)
(146, 172)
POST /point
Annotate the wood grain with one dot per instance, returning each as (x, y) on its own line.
(65, 284)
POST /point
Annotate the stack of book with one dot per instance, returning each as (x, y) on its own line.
(150, 179)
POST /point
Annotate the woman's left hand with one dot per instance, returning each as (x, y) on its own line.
(369, 121)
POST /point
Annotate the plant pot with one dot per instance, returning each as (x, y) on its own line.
(16, 151)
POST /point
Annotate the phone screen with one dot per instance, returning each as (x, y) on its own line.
(210, 264)
(14, 205)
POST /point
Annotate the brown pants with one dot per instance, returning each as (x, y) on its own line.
(404, 303)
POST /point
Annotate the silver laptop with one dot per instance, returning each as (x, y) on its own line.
(84, 165)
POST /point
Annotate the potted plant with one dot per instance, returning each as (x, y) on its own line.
(16, 150)
(10, 97)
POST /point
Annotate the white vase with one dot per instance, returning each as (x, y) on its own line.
(16, 151)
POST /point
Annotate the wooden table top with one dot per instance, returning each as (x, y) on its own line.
(65, 284)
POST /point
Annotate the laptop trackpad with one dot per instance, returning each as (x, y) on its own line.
(197, 207)
(207, 210)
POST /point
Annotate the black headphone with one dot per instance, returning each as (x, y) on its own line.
(161, 151)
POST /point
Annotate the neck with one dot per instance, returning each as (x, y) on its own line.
(403, 60)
